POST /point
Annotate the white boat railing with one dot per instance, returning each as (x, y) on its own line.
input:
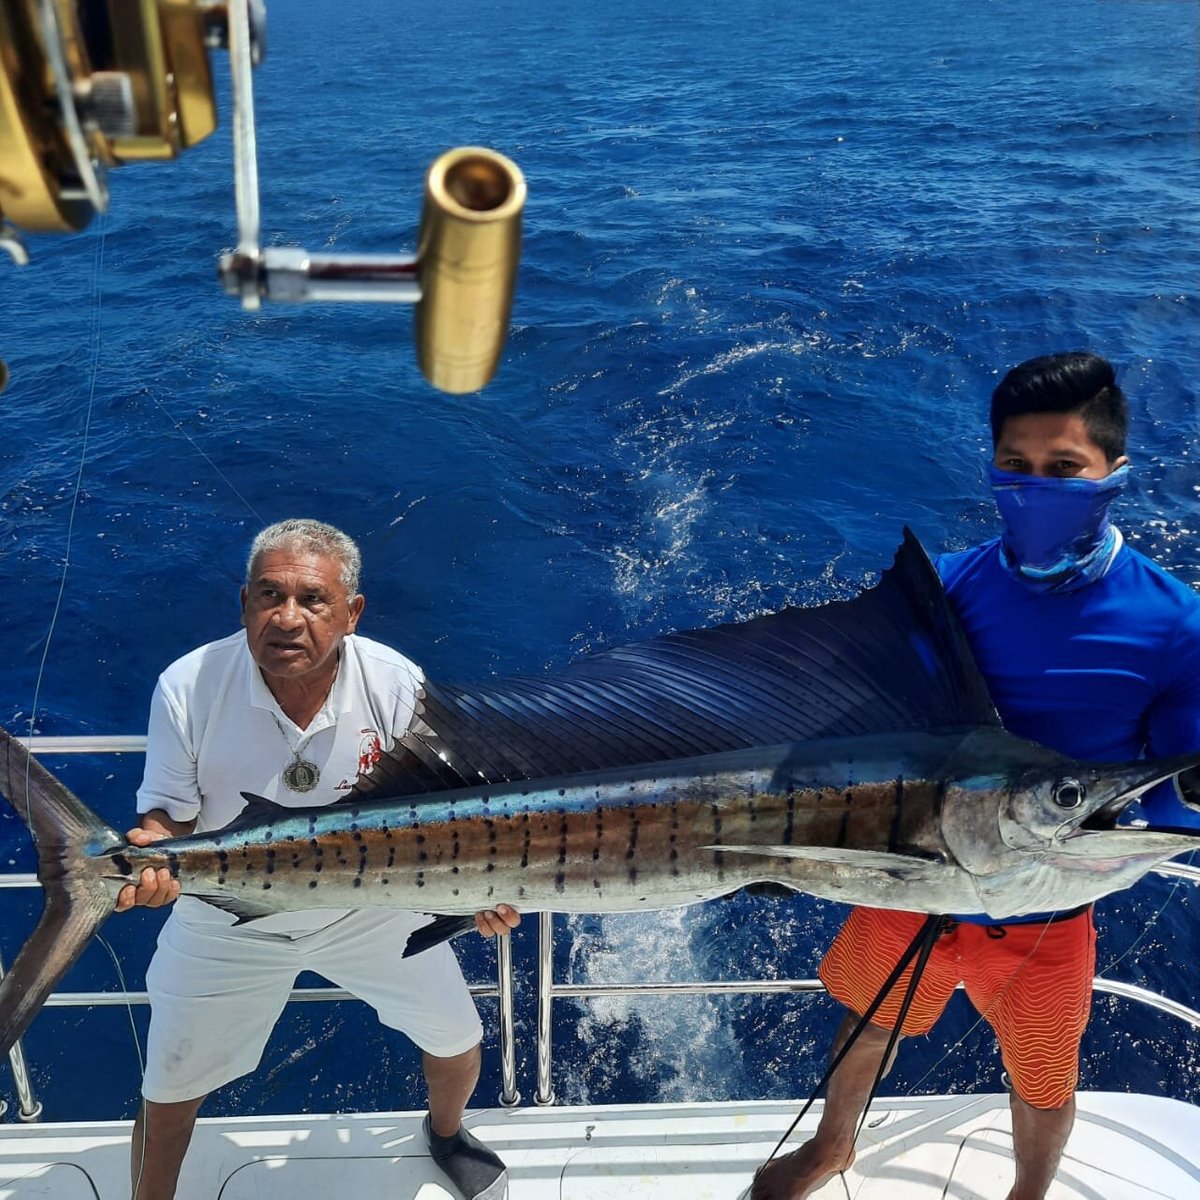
(30, 1109)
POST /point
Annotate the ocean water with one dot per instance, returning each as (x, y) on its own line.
(776, 257)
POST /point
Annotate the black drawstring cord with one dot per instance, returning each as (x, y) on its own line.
(920, 948)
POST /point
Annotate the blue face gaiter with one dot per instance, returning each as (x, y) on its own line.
(1056, 532)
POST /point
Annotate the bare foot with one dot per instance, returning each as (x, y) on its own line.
(798, 1174)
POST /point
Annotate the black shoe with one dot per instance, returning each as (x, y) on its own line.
(475, 1171)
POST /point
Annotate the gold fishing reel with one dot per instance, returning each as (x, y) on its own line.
(86, 85)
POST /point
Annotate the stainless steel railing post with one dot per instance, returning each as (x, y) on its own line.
(30, 1105)
(545, 1085)
(509, 1096)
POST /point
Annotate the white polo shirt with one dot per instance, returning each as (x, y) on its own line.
(216, 731)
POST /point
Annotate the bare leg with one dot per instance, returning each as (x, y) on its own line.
(1039, 1136)
(831, 1149)
(451, 1082)
(161, 1135)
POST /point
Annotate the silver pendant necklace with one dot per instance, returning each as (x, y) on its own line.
(299, 775)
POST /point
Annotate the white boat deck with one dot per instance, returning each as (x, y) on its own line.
(948, 1148)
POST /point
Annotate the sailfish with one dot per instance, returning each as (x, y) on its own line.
(849, 750)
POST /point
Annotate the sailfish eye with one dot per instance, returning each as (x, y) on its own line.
(1069, 793)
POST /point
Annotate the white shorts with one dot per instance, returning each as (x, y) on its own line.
(216, 993)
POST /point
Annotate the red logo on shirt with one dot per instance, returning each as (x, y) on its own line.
(370, 750)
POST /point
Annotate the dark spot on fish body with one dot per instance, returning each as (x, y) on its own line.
(266, 887)
(631, 843)
(847, 813)
(312, 883)
(391, 857)
(491, 866)
(560, 882)
(357, 882)
(894, 832)
(715, 809)
(173, 864)
(122, 865)
(633, 874)
(454, 870)
(789, 821)
(719, 863)
(317, 866)
(422, 856)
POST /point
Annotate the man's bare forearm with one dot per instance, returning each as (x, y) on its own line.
(157, 821)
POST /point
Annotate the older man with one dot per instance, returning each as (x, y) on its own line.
(293, 708)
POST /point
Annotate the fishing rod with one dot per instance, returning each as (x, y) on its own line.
(88, 85)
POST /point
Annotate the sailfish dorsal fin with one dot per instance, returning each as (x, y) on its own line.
(892, 658)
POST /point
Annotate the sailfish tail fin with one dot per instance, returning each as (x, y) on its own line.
(68, 836)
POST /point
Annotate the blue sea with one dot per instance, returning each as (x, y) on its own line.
(776, 257)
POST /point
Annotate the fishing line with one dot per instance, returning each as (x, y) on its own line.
(97, 297)
(1150, 923)
(178, 426)
(97, 314)
(129, 1006)
(137, 1045)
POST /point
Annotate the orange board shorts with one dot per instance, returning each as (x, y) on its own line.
(1032, 983)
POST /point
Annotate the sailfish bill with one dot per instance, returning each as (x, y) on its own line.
(848, 750)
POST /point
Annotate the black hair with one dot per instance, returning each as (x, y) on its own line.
(1076, 381)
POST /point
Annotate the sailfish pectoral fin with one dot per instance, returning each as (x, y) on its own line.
(439, 930)
(910, 867)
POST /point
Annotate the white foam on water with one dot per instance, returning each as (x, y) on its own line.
(685, 1050)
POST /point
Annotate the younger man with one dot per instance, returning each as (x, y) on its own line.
(1088, 648)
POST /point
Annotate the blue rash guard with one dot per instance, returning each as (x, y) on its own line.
(1109, 672)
